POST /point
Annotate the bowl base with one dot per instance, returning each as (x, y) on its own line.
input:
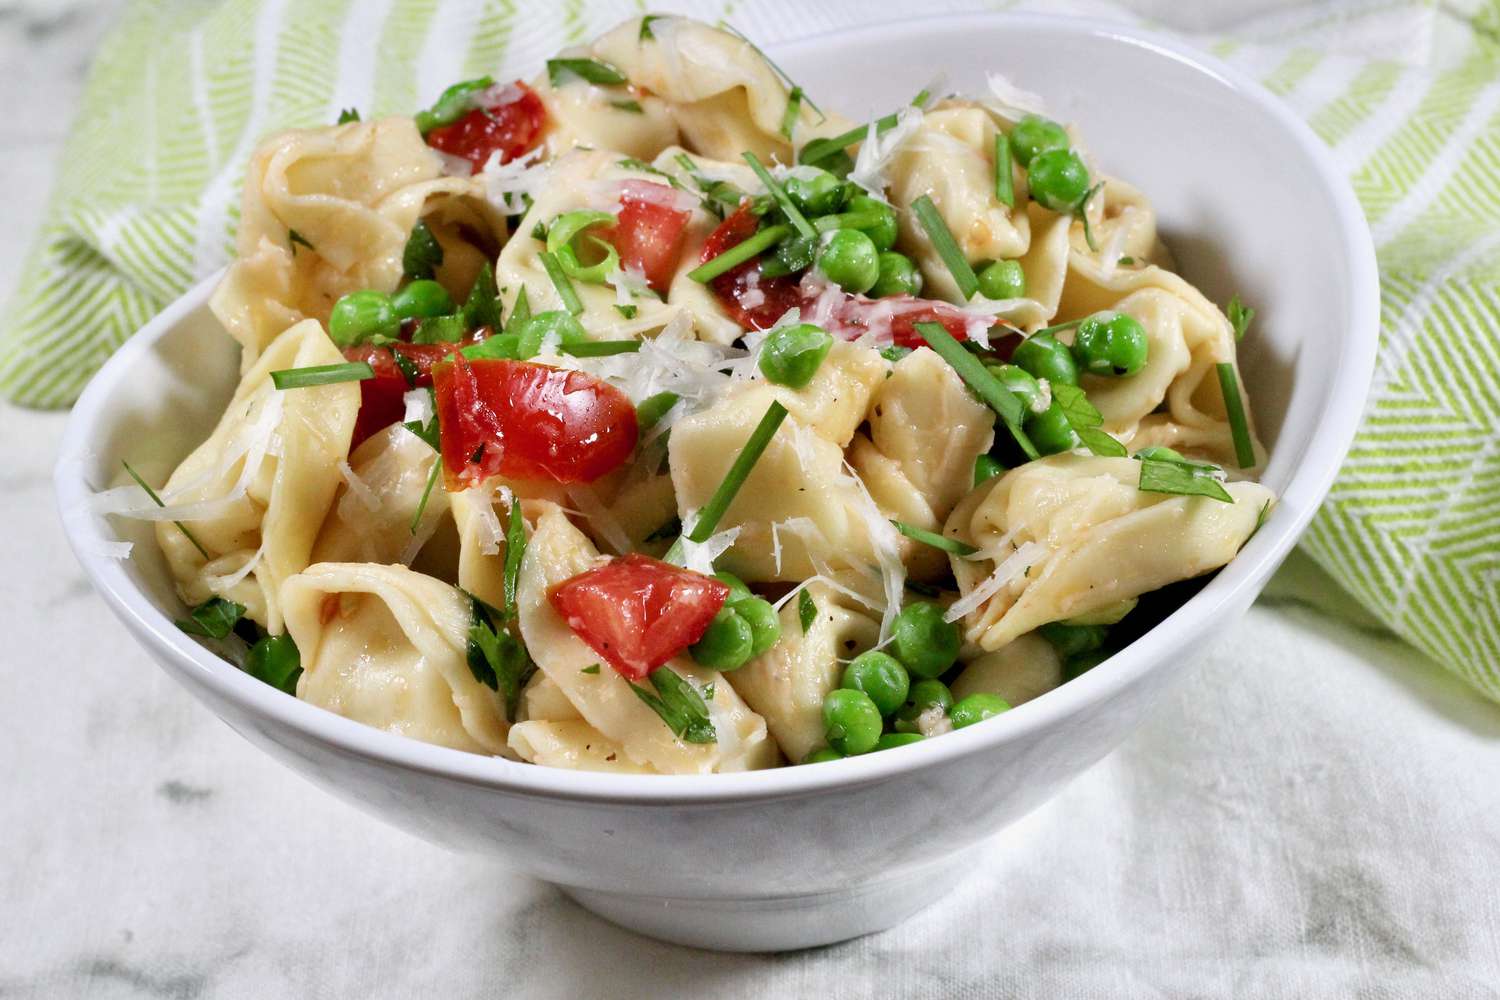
(778, 923)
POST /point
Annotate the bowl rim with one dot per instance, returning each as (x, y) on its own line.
(1338, 417)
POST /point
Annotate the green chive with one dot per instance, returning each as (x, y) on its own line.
(515, 549)
(1234, 406)
(1005, 189)
(634, 107)
(303, 378)
(1070, 324)
(592, 70)
(744, 462)
(601, 348)
(1088, 231)
(522, 309)
(946, 246)
(739, 253)
(847, 220)
(793, 213)
(932, 538)
(416, 518)
(560, 281)
(793, 109)
(651, 409)
(978, 378)
(157, 500)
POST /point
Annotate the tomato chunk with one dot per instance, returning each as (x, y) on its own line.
(753, 300)
(650, 232)
(637, 612)
(529, 421)
(381, 399)
(507, 121)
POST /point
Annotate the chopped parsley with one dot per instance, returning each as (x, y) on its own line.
(423, 254)
(679, 705)
(275, 660)
(215, 618)
(807, 610)
(1085, 420)
(348, 115)
(1162, 475)
(933, 539)
(1240, 316)
(560, 71)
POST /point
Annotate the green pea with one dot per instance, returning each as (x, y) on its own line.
(1160, 453)
(986, 468)
(889, 741)
(851, 722)
(359, 316)
(765, 626)
(883, 230)
(1035, 134)
(1050, 431)
(422, 299)
(1110, 343)
(815, 194)
(1044, 356)
(1003, 279)
(849, 259)
(726, 644)
(923, 641)
(882, 677)
(1071, 640)
(796, 253)
(791, 355)
(1021, 383)
(977, 707)
(822, 754)
(924, 696)
(1077, 666)
(738, 591)
(1059, 179)
(898, 276)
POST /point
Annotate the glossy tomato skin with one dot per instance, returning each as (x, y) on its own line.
(381, 399)
(650, 231)
(529, 421)
(779, 294)
(637, 612)
(509, 129)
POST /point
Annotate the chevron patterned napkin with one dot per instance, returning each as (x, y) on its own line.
(1406, 94)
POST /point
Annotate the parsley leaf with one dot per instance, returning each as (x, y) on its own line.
(807, 610)
(592, 668)
(214, 618)
(348, 115)
(560, 71)
(440, 329)
(275, 660)
(679, 705)
(423, 253)
(646, 25)
(482, 307)
(627, 311)
(1085, 420)
(1182, 478)
(497, 657)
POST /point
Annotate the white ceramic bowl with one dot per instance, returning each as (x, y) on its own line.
(1250, 202)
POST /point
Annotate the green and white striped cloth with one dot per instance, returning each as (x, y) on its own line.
(1406, 94)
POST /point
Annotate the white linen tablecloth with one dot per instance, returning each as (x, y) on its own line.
(1314, 813)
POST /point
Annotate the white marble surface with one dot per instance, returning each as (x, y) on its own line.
(1315, 813)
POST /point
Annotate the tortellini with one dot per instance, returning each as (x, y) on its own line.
(328, 211)
(580, 113)
(1075, 534)
(557, 551)
(1025, 668)
(256, 492)
(385, 646)
(373, 515)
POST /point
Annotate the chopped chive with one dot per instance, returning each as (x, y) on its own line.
(978, 378)
(807, 610)
(1240, 315)
(744, 462)
(1070, 324)
(601, 348)
(793, 213)
(651, 409)
(847, 220)
(157, 500)
(1005, 189)
(946, 246)
(785, 78)
(793, 109)
(1234, 406)
(416, 518)
(1083, 213)
(646, 25)
(932, 538)
(592, 70)
(303, 378)
(739, 253)
(560, 281)
(634, 107)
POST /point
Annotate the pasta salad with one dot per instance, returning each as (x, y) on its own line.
(648, 417)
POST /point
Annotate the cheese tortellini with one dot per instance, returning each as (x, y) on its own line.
(647, 418)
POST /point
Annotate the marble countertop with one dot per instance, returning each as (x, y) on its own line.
(1315, 812)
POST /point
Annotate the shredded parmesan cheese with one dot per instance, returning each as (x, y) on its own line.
(699, 556)
(876, 151)
(1014, 565)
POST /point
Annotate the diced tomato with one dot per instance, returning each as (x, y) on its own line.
(777, 295)
(650, 231)
(529, 421)
(901, 313)
(381, 400)
(637, 612)
(509, 128)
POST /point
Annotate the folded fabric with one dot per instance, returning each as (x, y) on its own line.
(1407, 95)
